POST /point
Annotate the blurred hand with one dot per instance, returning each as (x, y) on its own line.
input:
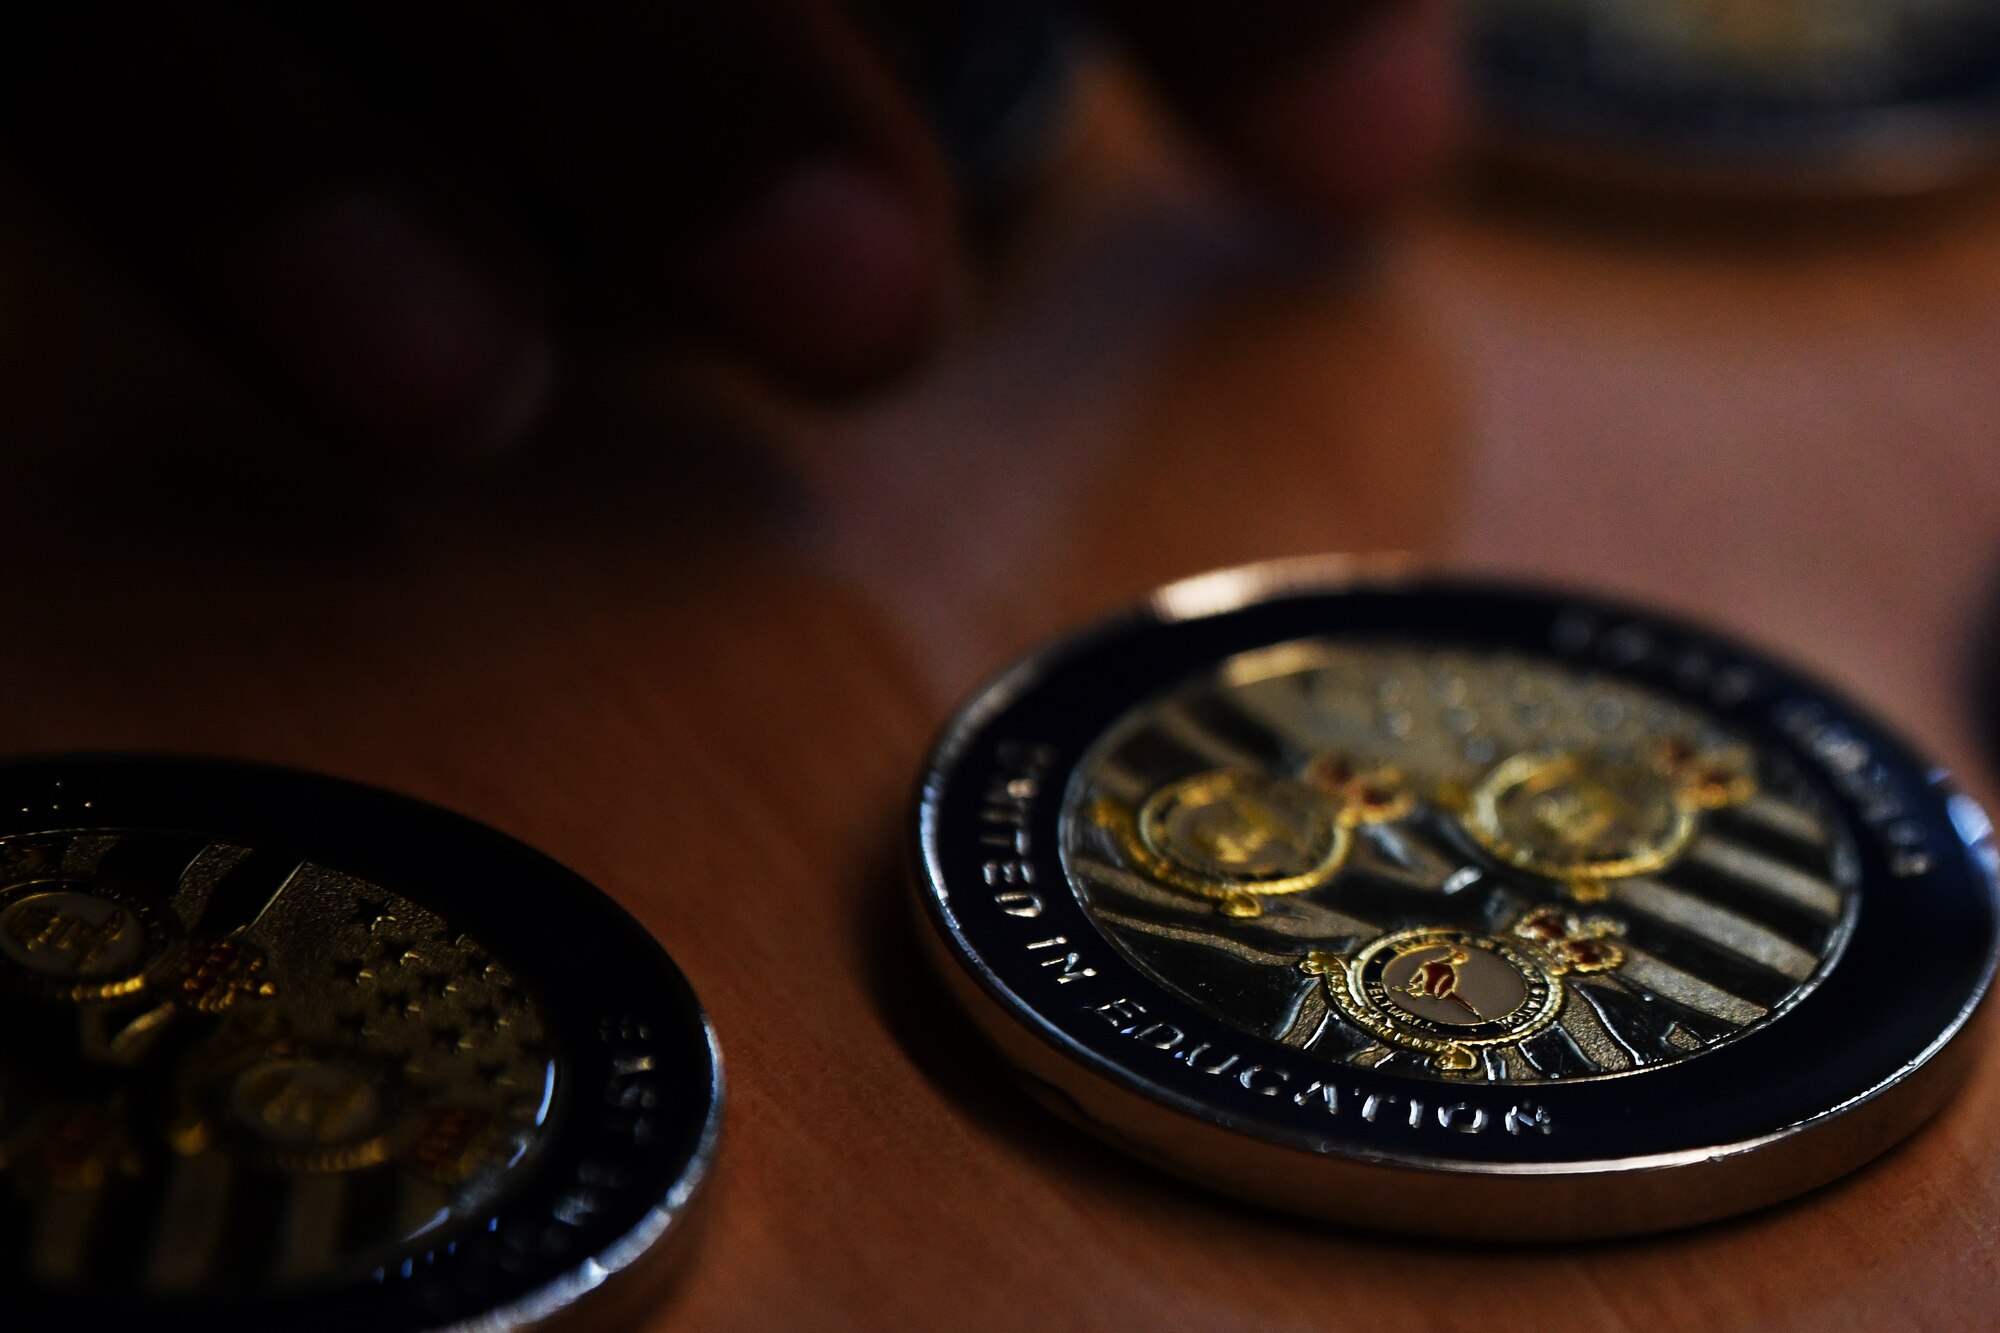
(378, 207)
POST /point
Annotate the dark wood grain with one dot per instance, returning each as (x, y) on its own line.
(698, 656)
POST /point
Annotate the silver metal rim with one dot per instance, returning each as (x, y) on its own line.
(1893, 1107)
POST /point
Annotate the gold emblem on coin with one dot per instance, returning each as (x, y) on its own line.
(314, 1113)
(1236, 836)
(78, 942)
(1489, 792)
(1450, 993)
(291, 1021)
(1584, 818)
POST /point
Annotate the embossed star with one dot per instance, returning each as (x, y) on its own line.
(367, 911)
(451, 1037)
(390, 1002)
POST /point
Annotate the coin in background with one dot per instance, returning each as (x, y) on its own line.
(1761, 97)
(288, 1052)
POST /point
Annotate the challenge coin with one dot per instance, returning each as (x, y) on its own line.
(1455, 908)
(1749, 96)
(287, 1052)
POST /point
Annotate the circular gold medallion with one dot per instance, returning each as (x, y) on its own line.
(78, 941)
(1233, 835)
(315, 1112)
(1237, 836)
(1243, 828)
(1587, 816)
(1441, 991)
(1580, 816)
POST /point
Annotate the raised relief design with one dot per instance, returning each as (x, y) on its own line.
(1447, 993)
(296, 1070)
(1237, 836)
(79, 943)
(1584, 818)
(1483, 867)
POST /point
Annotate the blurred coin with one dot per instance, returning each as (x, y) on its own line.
(1754, 96)
(285, 1052)
(1455, 908)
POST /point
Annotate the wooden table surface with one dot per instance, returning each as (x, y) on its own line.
(698, 655)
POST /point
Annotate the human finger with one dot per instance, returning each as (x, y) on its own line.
(291, 209)
(1333, 110)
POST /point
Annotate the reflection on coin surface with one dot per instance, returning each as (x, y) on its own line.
(1456, 908)
(1844, 96)
(286, 1052)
